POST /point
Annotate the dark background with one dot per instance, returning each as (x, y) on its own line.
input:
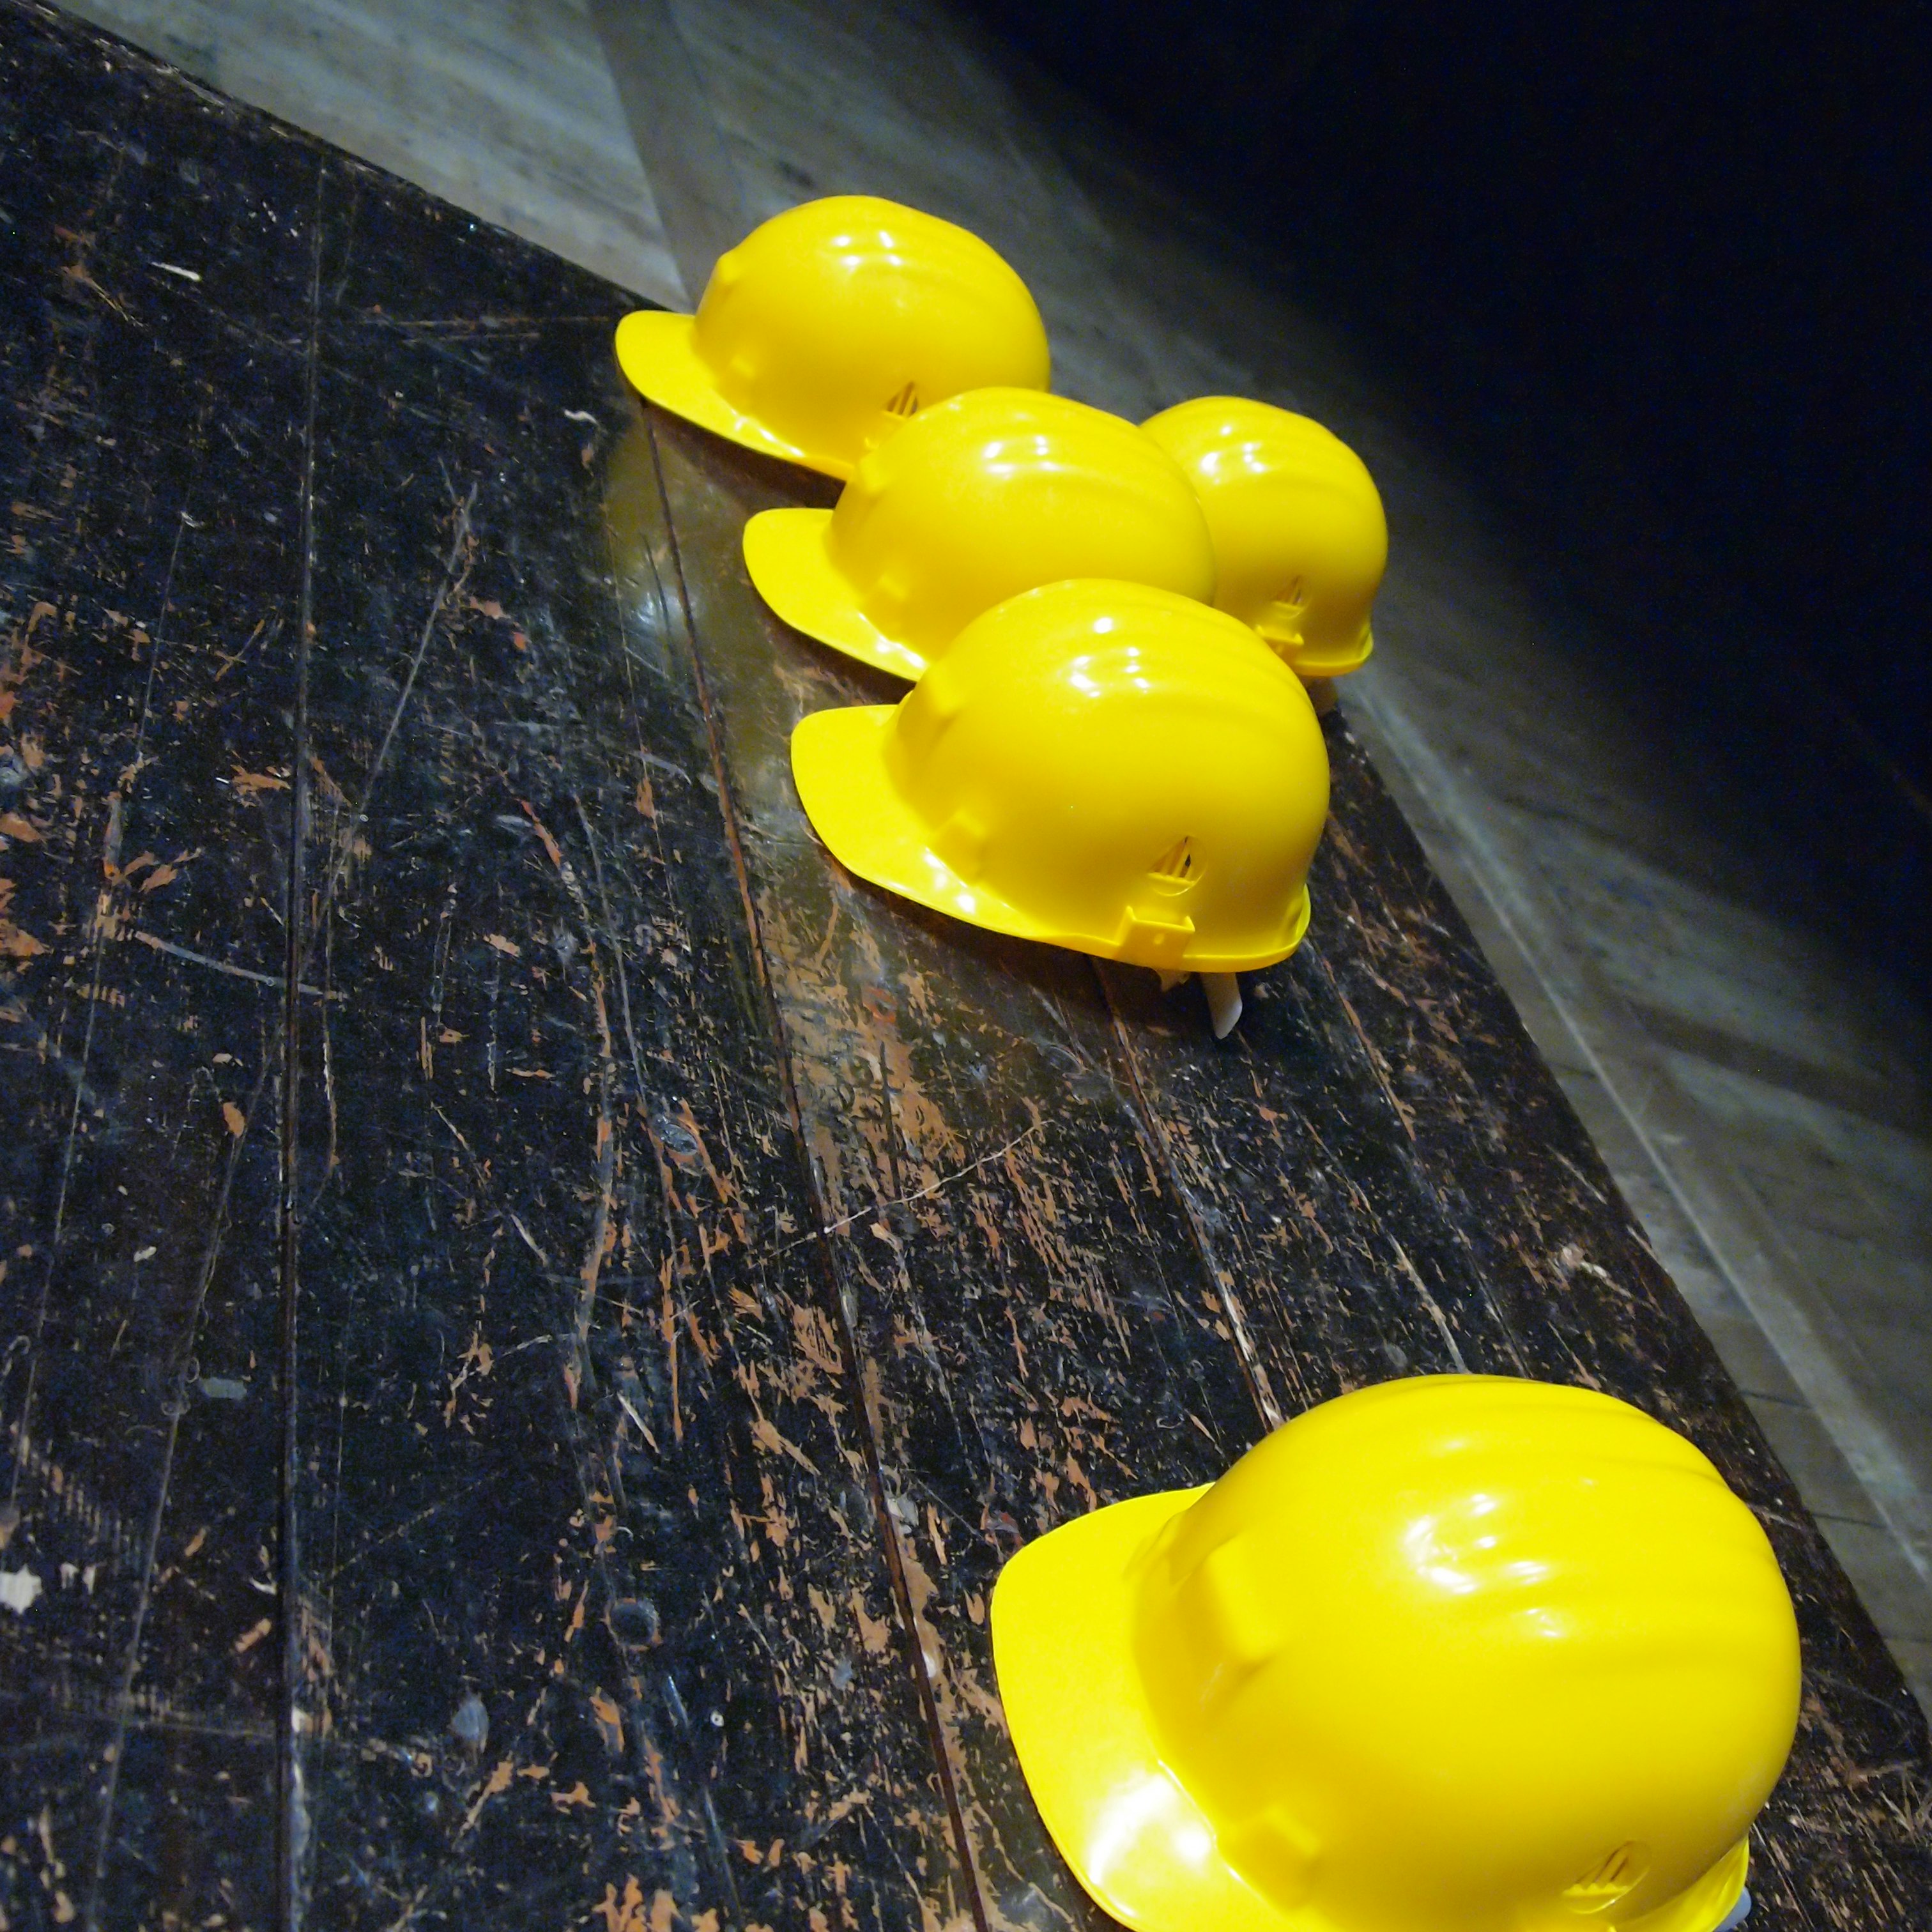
(1658, 274)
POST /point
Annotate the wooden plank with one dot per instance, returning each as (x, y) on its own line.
(1378, 1173)
(1036, 1329)
(1423, 1119)
(144, 748)
(744, 1689)
(600, 1619)
(1842, 1843)
(708, 1269)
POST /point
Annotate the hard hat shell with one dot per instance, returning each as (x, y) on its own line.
(977, 499)
(831, 324)
(1301, 542)
(1100, 765)
(1454, 1653)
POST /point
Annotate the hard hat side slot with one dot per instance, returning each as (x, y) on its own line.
(1616, 1876)
(1174, 871)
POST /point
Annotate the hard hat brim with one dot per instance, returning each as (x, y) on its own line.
(785, 553)
(838, 763)
(660, 360)
(1069, 1681)
(1071, 1688)
(1333, 664)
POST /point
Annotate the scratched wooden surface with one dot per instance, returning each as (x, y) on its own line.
(534, 1306)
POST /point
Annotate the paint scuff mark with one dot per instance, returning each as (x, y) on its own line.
(18, 1590)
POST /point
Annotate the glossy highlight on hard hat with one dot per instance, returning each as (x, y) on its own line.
(1098, 765)
(976, 499)
(1453, 1654)
(831, 324)
(1301, 541)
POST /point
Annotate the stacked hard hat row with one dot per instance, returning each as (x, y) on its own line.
(1110, 746)
(1457, 1654)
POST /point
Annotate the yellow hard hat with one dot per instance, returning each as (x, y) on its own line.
(1301, 542)
(1100, 765)
(989, 494)
(830, 324)
(1455, 1654)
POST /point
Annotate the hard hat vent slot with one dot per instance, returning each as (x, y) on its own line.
(1280, 620)
(1616, 1875)
(1175, 871)
(904, 402)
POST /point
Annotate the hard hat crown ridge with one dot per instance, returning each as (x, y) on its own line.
(1455, 1654)
(981, 497)
(832, 325)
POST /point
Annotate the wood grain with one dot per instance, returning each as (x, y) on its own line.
(1375, 1177)
(701, 1270)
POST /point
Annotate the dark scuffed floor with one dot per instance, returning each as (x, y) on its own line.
(534, 1306)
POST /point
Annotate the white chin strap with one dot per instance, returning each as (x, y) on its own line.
(1738, 1913)
(1224, 997)
(1224, 1001)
